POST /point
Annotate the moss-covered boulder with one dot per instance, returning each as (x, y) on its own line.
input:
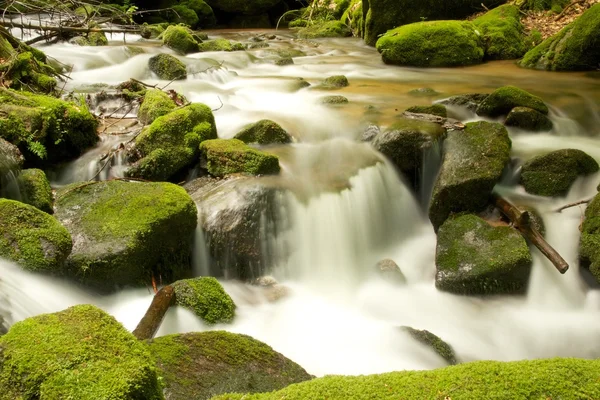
(406, 142)
(79, 353)
(530, 379)
(90, 39)
(432, 44)
(334, 100)
(156, 104)
(469, 101)
(170, 143)
(206, 298)
(502, 33)
(220, 45)
(504, 99)
(575, 48)
(434, 109)
(264, 131)
(126, 232)
(180, 39)
(250, 7)
(334, 82)
(44, 128)
(35, 189)
(553, 174)
(167, 67)
(204, 12)
(432, 341)
(473, 257)
(324, 29)
(205, 364)
(528, 119)
(589, 245)
(231, 156)
(473, 162)
(32, 238)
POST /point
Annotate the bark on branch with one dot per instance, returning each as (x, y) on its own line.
(155, 314)
(52, 28)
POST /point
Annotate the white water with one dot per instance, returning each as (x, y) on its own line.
(344, 214)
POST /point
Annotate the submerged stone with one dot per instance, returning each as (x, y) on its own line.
(167, 67)
(264, 131)
(502, 100)
(432, 341)
(35, 189)
(435, 109)
(334, 82)
(156, 104)
(325, 29)
(206, 298)
(469, 101)
(220, 45)
(230, 156)
(390, 271)
(334, 100)
(528, 119)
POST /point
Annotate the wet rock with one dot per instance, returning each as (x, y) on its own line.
(424, 92)
(79, 353)
(212, 363)
(297, 84)
(11, 161)
(180, 39)
(370, 133)
(284, 61)
(334, 100)
(503, 100)
(35, 189)
(206, 298)
(156, 104)
(472, 257)
(553, 174)
(223, 157)
(32, 238)
(272, 290)
(473, 163)
(264, 131)
(390, 271)
(528, 119)
(284, 52)
(435, 109)
(468, 101)
(334, 82)
(126, 232)
(325, 29)
(589, 244)
(432, 341)
(167, 67)
(220, 45)
(501, 29)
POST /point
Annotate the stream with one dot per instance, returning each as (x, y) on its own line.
(339, 317)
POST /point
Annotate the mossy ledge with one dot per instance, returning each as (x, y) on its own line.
(229, 156)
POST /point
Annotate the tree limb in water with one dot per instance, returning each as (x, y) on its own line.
(577, 203)
(72, 29)
(155, 314)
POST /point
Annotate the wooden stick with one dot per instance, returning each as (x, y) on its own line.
(577, 203)
(51, 28)
(155, 314)
(522, 221)
(562, 14)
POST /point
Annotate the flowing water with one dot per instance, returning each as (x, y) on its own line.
(347, 208)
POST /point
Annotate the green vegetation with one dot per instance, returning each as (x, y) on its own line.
(80, 353)
(436, 344)
(502, 33)
(542, 5)
(180, 39)
(334, 82)
(264, 131)
(167, 67)
(324, 29)
(206, 298)
(589, 245)
(434, 109)
(205, 14)
(528, 119)
(156, 104)
(504, 99)
(35, 189)
(334, 100)
(220, 45)
(225, 157)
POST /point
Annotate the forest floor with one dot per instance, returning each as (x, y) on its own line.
(549, 23)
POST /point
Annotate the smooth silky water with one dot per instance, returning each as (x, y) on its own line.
(346, 208)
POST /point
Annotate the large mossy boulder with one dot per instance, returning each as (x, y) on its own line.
(575, 48)
(502, 100)
(434, 342)
(35, 189)
(126, 232)
(231, 156)
(156, 104)
(553, 174)
(475, 258)
(204, 12)
(205, 364)
(249, 7)
(324, 29)
(171, 143)
(80, 353)
(472, 165)
(32, 238)
(180, 39)
(44, 128)
(167, 67)
(589, 245)
(220, 45)
(264, 131)
(528, 119)
(434, 109)
(206, 298)
(502, 33)
(432, 44)
(529, 379)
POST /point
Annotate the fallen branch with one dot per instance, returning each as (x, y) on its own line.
(577, 203)
(155, 314)
(563, 12)
(51, 28)
(522, 221)
(221, 106)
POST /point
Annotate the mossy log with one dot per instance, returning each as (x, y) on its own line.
(155, 314)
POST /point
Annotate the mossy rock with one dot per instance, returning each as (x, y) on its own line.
(324, 29)
(502, 33)
(434, 109)
(156, 104)
(181, 14)
(528, 379)
(334, 82)
(284, 52)
(204, 12)
(264, 131)
(553, 174)
(424, 92)
(528, 119)
(589, 245)
(504, 99)
(152, 31)
(575, 48)
(11, 162)
(250, 7)
(46, 129)
(333, 100)
(126, 232)
(230, 156)
(475, 258)
(432, 341)
(220, 45)
(206, 298)
(201, 365)
(432, 44)
(170, 143)
(97, 39)
(35, 189)
(79, 353)
(180, 39)
(469, 101)
(167, 67)
(32, 238)
(284, 61)
(473, 163)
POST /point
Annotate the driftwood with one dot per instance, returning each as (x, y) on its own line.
(51, 28)
(577, 203)
(155, 314)
(522, 221)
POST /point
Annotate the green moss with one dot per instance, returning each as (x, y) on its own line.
(202, 365)
(542, 5)
(97, 39)
(205, 14)
(35, 189)
(206, 298)
(427, 338)
(167, 67)
(435, 109)
(432, 44)
(32, 238)
(334, 82)
(220, 45)
(184, 15)
(156, 104)
(334, 100)
(284, 61)
(558, 378)
(528, 119)
(502, 33)
(589, 245)
(324, 29)
(225, 157)
(180, 39)
(79, 353)
(264, 131)
(504, 99)
(353, 17)
(125, 232)
(553, 174)
(25, 68)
